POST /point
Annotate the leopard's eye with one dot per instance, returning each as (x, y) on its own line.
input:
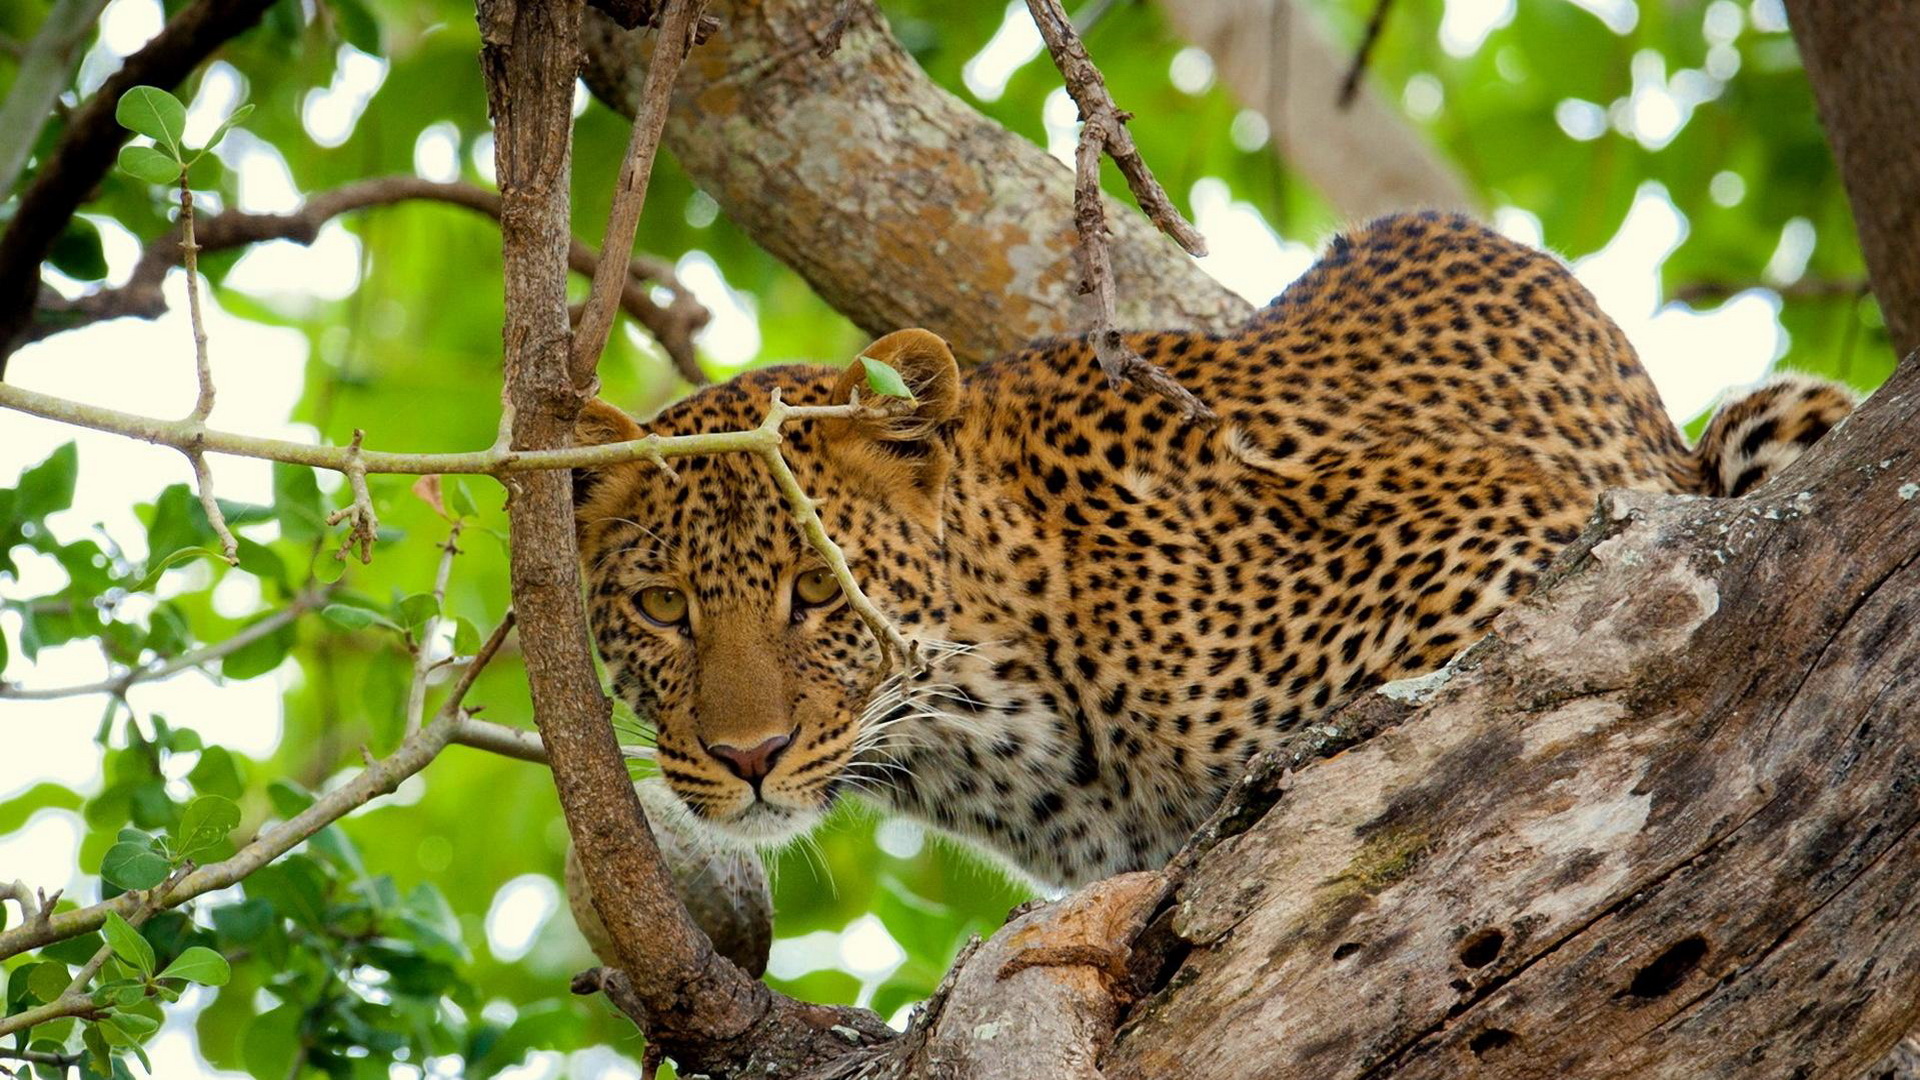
(663, 605)
(814, 588)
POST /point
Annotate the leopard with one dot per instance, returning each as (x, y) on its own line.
(1120, 606)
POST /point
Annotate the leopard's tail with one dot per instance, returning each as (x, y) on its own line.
(1756, 434)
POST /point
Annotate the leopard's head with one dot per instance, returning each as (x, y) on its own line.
(719, 623)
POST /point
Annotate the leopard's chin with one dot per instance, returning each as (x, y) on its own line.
(760, 824)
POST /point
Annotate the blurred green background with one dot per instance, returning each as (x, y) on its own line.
(1670, 149)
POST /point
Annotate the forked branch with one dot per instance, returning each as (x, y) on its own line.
(1103, 130)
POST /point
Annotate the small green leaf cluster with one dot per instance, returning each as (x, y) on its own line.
(151, 111)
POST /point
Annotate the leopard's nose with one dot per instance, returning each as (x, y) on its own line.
(754, 764)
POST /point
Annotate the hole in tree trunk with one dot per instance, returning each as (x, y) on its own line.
(1481, 949)
(1346, 949)
(1490, 1040)
(1669, 969)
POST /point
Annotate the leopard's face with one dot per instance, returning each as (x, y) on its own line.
(724, 629)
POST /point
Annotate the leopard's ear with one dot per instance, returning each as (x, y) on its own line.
(925, 365)
(905, 443)
(598, 423)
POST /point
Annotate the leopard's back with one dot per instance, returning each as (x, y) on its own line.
(1407, 437)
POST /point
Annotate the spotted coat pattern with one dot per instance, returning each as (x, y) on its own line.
(1127, 606)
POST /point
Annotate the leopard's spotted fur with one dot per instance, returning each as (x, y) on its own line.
(1134, 604)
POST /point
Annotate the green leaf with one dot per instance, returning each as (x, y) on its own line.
(14, 812)
(48, 486)
(271, 1043)
(259, 657)
(146, 163)
(227, 125)
(48, 981)
(459, 499)
(884, 380)
(416, 610)
(207, 821)
(287, 797)
(134, 865)
(353, 617)
(201, 965)
(151, 111)
(216, 774)
(296, 502)
(466, 638)
(127, 944)
(77, 252)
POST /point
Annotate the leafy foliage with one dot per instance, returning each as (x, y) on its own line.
(370, 944)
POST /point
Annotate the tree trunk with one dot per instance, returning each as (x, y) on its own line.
(900, 205)
(1364, 157)
(1864, 63)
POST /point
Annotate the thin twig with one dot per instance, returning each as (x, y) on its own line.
(203, 371)
(75, 1000)
(806, 517)
(41, 1057)
(413, 754)
(1350, 86)
(630, 196)
(119, 684)
(1103, 131)
(673, 324)
(423, 662)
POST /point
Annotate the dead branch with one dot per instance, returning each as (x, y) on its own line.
(1103, 131)
(1350, 86)
(673, 325)
(613, 276)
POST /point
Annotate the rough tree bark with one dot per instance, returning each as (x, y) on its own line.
(897, 202)
(1864, 63)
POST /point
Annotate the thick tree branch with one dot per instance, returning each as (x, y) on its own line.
(46, 66)
(673, 325)
(85, 153)
(955, 224)
(693, 1003)
(1860, 60)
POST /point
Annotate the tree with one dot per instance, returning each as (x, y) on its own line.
(316, 911)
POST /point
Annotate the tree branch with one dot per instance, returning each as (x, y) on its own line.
(673, 325)
(610, 278)
(381, 778)
(1103, 129)
(956, 224)
(693, 1003)
(86, 151)
(118, 685)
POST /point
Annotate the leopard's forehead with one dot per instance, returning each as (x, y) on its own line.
(742, 401)
(718, 525)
